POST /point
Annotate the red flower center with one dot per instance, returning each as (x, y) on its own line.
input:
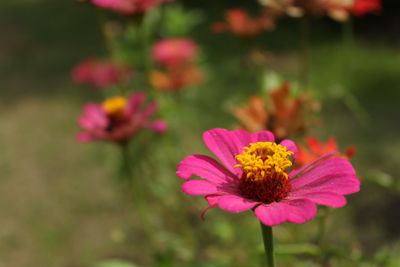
(268, 190)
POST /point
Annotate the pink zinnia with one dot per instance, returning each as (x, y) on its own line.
(117, 119)
(255, 175)
(174, 51)
(101, 73)
(128, 7)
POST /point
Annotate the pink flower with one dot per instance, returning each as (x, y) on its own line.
(101, 73)
(118, 119)
(174, 51)
(128, 7)
(254, 175)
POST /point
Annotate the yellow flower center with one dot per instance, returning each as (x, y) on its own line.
(115, 105)
(262, 160)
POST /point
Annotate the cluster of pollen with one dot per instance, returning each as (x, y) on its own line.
(114, 106)
(264, 167)
(264, 159)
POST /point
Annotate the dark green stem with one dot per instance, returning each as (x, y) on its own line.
(321, 230)
(109, 42)
(305, 51)
(145, 51)
(268, 244)
(348, 45)
(137, 194)
(348, 33)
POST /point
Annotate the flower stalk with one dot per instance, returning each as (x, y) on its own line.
(305, 51)
(268, 244)
(137, 195)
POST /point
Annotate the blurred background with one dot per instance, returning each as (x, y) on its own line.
(59, 205)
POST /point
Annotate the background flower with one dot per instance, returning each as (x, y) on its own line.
(284, 114)
(128, 6)
(118, 119)
(176, 79)
(362, 7)
(101, 73)
(174, 51)
(238, 22)
(315, 149)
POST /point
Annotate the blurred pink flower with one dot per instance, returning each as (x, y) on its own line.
(254, 176)
(118, 119)
(101, 73)
(128, 7)
(174, 51)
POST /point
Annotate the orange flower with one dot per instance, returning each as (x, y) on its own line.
(314, 149)
(285, 115)
(176, 78)
(239, 22)
(252, 116)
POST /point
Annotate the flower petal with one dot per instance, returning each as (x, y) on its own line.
(93, 117)
(339, 185)
(234, 203)
(263, 136)
(199, 187)
(242, 138)
(204, 167)
(323, 198)
(212, 199)
(225, 145)
(148, 111)
(294, 211)
(335, 175)
(294, 173)
(84, 137)
(134, 102)
(272, 214)
(301, 210)
(291, 146)
(159, 126)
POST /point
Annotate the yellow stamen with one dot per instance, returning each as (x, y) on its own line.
(114, 105)
(264, 159)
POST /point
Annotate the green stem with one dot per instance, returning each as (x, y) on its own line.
(321, 230)
(348, 34)
(137, 195)
(109, 42)
(305, 51)
(357, 108)
(145, 50)
(268, 244)
(348, 46)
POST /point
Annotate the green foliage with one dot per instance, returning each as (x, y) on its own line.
(178, 21)
(115, 263)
